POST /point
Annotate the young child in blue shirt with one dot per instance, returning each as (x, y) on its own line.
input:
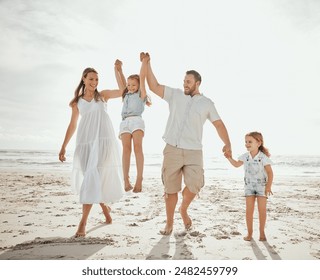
(132, 126)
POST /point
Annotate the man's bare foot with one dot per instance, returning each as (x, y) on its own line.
(166, 231)
(186, 219)
(247, 238)
(81, 232)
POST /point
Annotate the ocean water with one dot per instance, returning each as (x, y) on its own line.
(284, 165)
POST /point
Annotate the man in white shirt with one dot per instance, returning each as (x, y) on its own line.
(189, 110)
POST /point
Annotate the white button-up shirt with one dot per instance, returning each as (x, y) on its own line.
(186, 119)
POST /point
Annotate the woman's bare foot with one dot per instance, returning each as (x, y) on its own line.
(186, 219)
(166, 231)
(247, 238)
(106, 211)
(81, 232)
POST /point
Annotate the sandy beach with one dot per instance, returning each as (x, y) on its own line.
(39, 216)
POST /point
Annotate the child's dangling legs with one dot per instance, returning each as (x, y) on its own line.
(138, 151)
(126, 155)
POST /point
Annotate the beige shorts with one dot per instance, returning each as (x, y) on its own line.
(181, 162)
(131, 124)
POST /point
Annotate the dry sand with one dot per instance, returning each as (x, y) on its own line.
(39, 216)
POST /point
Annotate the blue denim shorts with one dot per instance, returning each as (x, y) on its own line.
(254, 189)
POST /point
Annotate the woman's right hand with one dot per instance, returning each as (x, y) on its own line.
(62, 153)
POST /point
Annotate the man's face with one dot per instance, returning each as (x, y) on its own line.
(189, 85)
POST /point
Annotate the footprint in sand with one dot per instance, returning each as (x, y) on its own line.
(133, 225)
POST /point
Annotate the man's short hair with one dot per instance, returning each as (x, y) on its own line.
(195, 74)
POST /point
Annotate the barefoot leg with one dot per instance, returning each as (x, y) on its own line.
(262, 208)
(138, 151)
(106, 211)
(171, 202)
(138, 185)
(250, 201)
(83, 222)
(187, 197)
(126, 155)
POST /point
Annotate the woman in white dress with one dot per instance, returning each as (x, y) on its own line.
(97, 171)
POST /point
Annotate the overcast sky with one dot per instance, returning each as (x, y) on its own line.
(259, 61)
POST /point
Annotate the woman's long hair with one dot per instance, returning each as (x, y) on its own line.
(80, 90)
(258, 136)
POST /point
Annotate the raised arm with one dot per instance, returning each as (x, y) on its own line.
(153, 84)
(224, 136)
(121, 81)
(70, 131)
(143, 75)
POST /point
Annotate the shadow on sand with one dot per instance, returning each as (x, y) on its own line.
(55, 248)
(161, 250)
(259, 254)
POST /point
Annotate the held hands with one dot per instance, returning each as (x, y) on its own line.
(118, 65)
(144, 57)
(227, 151)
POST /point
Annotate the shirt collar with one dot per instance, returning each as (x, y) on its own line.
(255, 156)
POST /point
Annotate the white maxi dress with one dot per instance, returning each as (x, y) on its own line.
(97, 171)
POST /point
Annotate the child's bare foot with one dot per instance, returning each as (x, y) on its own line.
(247, 238)
(262, 236)
(81, 232)
(128, 187)
(138, 186)
(137, 189)
(186, 219)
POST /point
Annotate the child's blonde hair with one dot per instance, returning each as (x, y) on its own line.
(258, 136)
(137, 78)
